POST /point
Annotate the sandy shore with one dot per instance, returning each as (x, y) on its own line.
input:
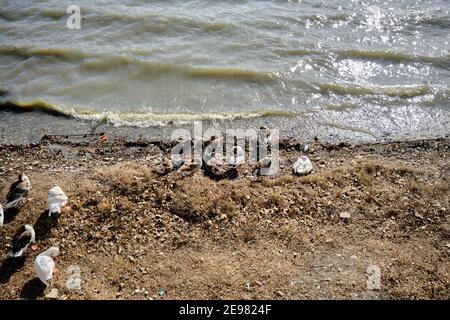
(131, 234)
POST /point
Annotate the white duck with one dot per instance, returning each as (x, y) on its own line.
(23, 237)
(56, 200)
(1, 216)
(303, 166)
(237, 157)
(18, 191)
(44, 265)
(266, 136)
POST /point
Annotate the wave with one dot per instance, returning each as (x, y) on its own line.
(26, 52)
(144, 120)
(113, 63)
(443, 61)
(105, 63)
(53, 14)
(390, 91)
(298, 52)
(397, 57)
(158, 23)
(439, 22)
(13, 16)
(34, 106)
(327, 17)
(69, 54)
(135, 119)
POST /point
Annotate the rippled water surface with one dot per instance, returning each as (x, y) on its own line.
(367, 69)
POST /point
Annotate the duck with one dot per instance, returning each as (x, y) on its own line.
(56, 200)
(18, 191)
(265, 135)
(217, 166)
(263, 166)
(178, 160)
(191, 166)
(212, 146)
(22, 239)
(181, 152)
(303, 166)
(44, 265)
(163, 166)
(1, 216)
(237, 156)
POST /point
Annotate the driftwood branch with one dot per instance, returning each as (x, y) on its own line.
(45, 135)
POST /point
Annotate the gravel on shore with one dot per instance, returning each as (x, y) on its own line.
(131, 234)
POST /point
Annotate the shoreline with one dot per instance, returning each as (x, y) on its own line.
(132, 233)
(328, 125)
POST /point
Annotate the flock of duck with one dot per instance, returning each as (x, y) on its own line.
(44, 264)
(216, 166)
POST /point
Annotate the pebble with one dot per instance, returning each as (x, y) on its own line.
(53, 294)
(373, 277)
(74, 280)
(279, 293)
(162, 292)
(344, 215)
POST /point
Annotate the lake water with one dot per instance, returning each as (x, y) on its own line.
(364, 70)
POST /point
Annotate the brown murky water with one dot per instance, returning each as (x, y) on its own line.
(342, 69)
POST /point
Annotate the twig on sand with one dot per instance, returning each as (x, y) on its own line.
(45, 135)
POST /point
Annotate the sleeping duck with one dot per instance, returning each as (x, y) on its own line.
(191, 166)
(218, 168)
(18, 191)
(264, 167)
(44, 265)
(302, 166)
(23, 237)
(216, 165)
(163, 166)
